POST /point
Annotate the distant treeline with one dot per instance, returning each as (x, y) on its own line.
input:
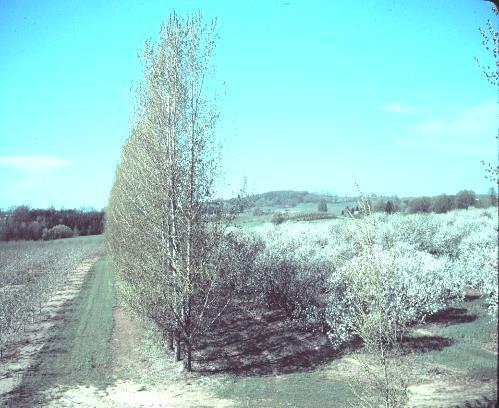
(286, 198)
(438, 204)
(34, 224)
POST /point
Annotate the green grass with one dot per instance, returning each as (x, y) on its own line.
(78, 351)
(90, 327)
(470, 354)
(309, 389)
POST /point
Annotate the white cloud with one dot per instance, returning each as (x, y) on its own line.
(470, 131)
(478, 120)
(398, 108)
(32, 164)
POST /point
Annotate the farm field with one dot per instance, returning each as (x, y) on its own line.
(31, 272)
(39, 281)
(98, 354)
(248, 219)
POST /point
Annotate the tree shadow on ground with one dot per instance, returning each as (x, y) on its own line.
(471, 298)
(484, 374)
(451, 315)
(424, 344)
(483, 402)
(262, 345)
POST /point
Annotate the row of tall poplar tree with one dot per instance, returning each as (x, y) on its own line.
(164, 236)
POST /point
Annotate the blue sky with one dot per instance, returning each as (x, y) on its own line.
(319, 95)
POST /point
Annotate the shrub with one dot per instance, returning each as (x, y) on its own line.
(442, 204)
(35, 230)
(478, 262)
(290, 271)
(237, 261)
(311, 216)
(57, 232)
(322, 207)
(465, 199)
(278, 218)
(257, 212)
(420, 205)
(421, 261)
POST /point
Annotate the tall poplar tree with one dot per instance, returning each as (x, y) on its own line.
(163, 233)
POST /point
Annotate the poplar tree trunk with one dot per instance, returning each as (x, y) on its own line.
(170, 341)
(188, 352)
(177, 347)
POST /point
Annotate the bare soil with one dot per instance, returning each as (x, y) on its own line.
(448, 392)
(125, 343)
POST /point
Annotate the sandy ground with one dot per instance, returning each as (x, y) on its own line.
(431, 394)
(20, 355)
(130, 394)
(448, 393)
(436, 387)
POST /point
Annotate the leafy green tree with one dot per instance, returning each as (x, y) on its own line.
(278, 218)
(381, 379)
(492, 196)
(257, 212)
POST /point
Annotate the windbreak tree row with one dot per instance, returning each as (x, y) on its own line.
(165, 231)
